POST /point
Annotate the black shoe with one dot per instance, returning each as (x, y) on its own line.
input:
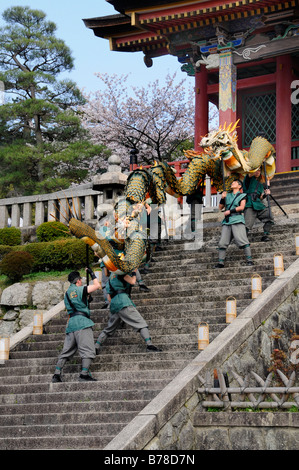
(144, 288)
(219, 265)
(152, 348)
(86, 378)
(265, 238)
(249, 263)
(56, 378)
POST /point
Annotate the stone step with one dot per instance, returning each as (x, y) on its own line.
(72, 369)
(136, 357)
(211, 309)
(235, 254)
(71, 442)
(104, 376)
(211, 244)
(183, 341)
(166, 333)
(76, 386)
(26, 410)
(207, 257)
(88, 394)
(45, 367)
(62, 418)
(61, 430)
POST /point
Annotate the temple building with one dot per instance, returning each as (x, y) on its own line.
(244, 57)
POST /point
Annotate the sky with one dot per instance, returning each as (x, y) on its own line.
(90, 53)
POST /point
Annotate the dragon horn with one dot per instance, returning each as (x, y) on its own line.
(235, 126)
(228, 129)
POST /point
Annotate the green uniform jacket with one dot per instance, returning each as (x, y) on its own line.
(119, 301)
(78, 297)
(231, 202)
(252, 187)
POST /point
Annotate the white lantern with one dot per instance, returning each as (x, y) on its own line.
(38, 324)
(203, 335)
(231, 309)
(171, 229)
(278, 264)
(256, 286)
(4, 348)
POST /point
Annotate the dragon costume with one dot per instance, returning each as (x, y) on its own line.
(123, 248)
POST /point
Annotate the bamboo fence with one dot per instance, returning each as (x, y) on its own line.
(216, 392)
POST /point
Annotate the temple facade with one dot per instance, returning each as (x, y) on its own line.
(243, 55)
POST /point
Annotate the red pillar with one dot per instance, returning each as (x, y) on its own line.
(201, 124)
(283, 113)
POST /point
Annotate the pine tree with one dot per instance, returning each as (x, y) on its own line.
(40, 121)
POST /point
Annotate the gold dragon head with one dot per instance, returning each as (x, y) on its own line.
(217, 142)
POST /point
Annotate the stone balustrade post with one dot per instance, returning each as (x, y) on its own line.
(63, 211)
(51, 211)
(39, 213)
(15, 215)
(208, 197)
(89, 207)
(27, 214)
(3, 216)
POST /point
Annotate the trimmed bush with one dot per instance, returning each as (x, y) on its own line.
(10, 236)
(16, 264)
(49, 231)
(4, 250)
(59, 255)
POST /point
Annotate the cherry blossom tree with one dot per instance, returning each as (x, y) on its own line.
(154, 119)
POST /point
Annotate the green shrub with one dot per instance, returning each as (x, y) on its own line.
(58, 255)
(49, 231)
(4, 249)
(16, 264)
(10, 236)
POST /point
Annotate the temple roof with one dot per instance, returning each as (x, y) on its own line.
(123, 5)
(173, 27)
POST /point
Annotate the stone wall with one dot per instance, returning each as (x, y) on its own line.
(192, 428)
(19, 303)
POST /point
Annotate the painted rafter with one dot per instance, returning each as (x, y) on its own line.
(153, 24)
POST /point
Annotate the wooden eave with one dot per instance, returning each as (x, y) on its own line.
(205, 13)
(109, 26)
(149, 24)
(123, 5)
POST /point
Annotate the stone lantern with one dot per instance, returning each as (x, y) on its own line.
(111, 184)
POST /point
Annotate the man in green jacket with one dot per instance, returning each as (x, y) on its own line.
(255, 208)
(79, 333)
(233, 224)
(123, 309)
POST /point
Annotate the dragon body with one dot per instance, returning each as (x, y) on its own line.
(123, 245)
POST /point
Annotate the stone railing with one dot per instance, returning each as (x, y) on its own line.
(28, 211)
(34, 210)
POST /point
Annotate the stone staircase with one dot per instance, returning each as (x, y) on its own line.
(285, 188)
(185, 290)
